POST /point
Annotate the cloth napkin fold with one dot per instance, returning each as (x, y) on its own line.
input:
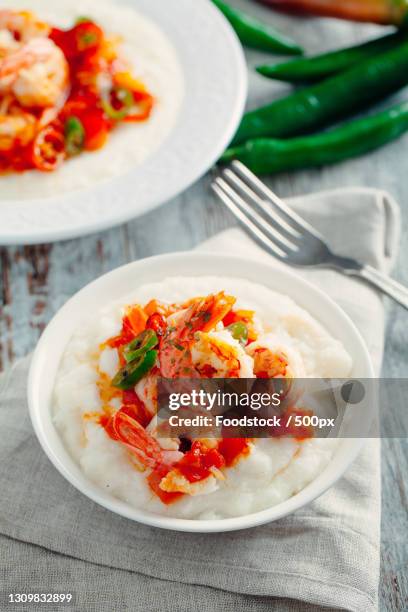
(326, 555)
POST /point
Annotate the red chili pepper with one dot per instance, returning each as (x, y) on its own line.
(377, 11)
(87, 36)
(96, 128)
(85, 68)
(145, 103)
(82, 37)
(59, 37)
(48, 149)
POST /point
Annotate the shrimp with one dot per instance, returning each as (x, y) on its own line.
(16, 129)
(146, 390)
(36, 74)
(160, 430)
(8, 44)
(202, 314)
(147, 453)
(175, 482)
(23, 25)
(139, 442)
(272, 359)
(218, 355)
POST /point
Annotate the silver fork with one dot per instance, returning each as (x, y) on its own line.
(285, 234)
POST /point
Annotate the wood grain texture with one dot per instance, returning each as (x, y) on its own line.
(36, 281)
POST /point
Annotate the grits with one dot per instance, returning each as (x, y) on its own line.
(274, 470)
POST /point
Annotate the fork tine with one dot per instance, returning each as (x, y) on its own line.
(273, 234)
(276, 219)
(258, 186)
(250, 226)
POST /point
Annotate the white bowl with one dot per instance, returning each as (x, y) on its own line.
(113, 286)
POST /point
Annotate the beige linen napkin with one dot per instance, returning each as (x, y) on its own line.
(324, 556)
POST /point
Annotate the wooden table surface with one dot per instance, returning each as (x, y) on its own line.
(37, 280)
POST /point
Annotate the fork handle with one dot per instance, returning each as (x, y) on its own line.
(387, 285)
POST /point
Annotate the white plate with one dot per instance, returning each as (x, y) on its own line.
(215, 78)
(115, 285)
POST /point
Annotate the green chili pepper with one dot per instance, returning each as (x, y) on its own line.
(141, 344)
(134, 371)
(330, 100)
(239, 331)
(125, 97)
(268, 155)
(313, 69)
(74, 134)
(254, 33)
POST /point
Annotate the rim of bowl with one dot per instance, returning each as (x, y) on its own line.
(120, 507)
